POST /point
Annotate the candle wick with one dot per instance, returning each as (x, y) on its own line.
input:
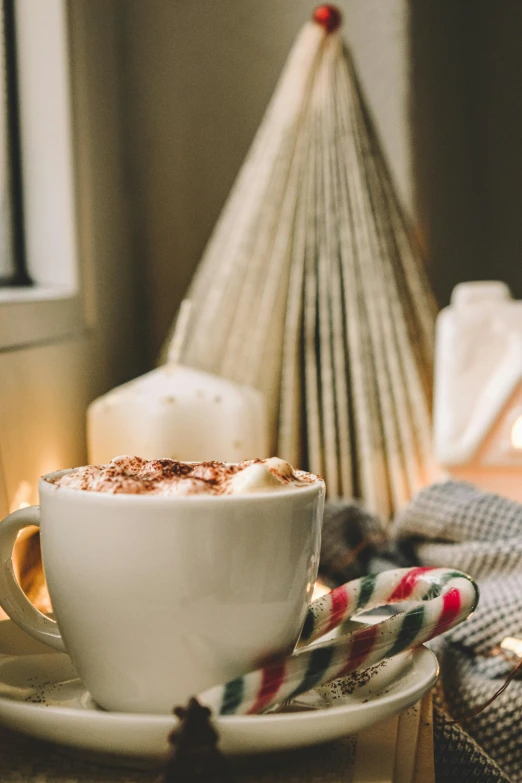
(180, 333)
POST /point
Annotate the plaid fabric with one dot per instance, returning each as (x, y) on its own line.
(455, 525)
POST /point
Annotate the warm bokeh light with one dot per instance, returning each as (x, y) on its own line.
(513, 645)
(516, 433)
(23, 497)
(319, 590)
(27, 564)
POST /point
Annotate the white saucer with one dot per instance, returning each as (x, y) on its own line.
(41, 695)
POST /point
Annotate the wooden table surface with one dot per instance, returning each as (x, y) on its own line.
(25, 760)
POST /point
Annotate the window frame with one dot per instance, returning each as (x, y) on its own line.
(53, 307)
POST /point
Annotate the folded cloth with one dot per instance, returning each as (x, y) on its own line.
(456, 525)
(458, 758)
(354, 543)
(453, 524)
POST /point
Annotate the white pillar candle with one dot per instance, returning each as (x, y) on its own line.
(180, 412)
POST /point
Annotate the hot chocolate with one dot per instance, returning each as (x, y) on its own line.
(167, 477)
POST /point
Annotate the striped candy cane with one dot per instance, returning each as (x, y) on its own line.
(448, 597)
(388, 587)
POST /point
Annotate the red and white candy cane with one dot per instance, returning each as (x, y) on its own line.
(447, 598)
(388, 587)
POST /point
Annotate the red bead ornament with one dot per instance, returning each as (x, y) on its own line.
(328, 16)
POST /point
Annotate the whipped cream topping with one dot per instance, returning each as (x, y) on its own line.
(137, 476)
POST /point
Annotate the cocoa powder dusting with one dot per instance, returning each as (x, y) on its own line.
(346, 686)
(137, 476)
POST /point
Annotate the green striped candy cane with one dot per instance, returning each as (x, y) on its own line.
(447, 598)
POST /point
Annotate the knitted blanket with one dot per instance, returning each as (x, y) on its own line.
(453, 524)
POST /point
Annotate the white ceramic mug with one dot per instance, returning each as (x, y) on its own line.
(158, 598)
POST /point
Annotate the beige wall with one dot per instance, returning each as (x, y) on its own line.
(169, 94)
(167, 101)
(45, 388)
(198, 78)
(442, 80)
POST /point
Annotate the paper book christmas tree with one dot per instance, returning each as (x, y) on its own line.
(311, 291)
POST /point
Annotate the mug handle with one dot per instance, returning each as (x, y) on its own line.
(12, 598)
